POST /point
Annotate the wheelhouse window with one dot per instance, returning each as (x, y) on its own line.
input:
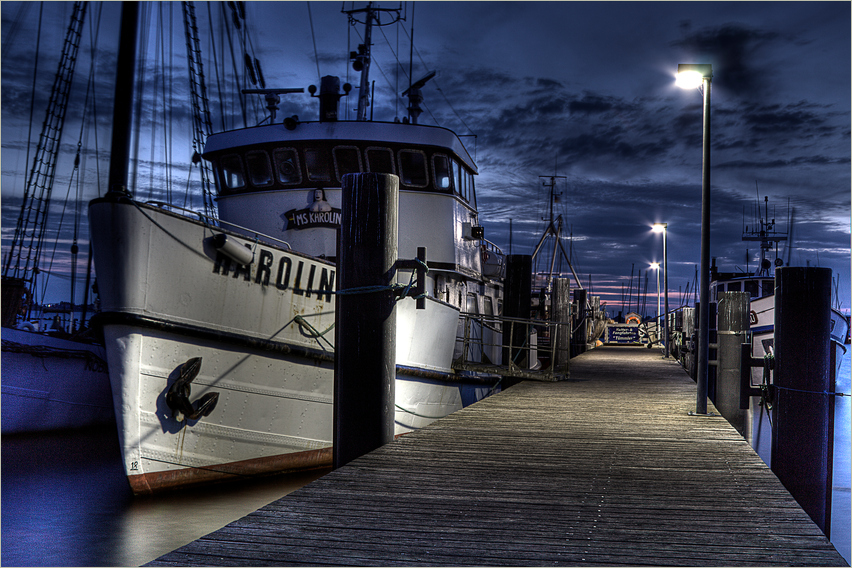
(259, 168)
(287, 166)
(412, 168)
(318, 165)
(443, 173)
(464, 183)
(231, 171)
(380, 160)
(459, 171)
(752, 288)
(347, 160)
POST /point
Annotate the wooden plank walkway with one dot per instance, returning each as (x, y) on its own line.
(607, 468)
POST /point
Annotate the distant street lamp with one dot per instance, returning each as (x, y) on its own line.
(692, 76)
(663, 228)
(656, 266)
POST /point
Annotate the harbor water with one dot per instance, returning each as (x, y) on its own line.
(66, 502)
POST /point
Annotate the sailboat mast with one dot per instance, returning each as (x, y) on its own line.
(122, 111)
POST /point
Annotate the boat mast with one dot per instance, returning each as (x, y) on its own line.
(123, 104)
(361, 59)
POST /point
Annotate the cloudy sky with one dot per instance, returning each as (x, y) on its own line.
(580, 90)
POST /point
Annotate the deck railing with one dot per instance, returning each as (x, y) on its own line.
(532, 349)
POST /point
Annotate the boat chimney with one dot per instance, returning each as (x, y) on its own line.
(329, 96)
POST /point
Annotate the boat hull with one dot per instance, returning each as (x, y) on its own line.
(263, 336)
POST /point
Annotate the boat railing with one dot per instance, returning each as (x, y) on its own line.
(512, 347)
(489, 246)
(216, 222)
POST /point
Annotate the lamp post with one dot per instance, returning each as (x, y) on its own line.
(692, 76)
(663, 228)
(656, 266)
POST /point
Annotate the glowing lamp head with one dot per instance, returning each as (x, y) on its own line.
(689, 80)
(655, 266)
(692, 75)
(659, 227)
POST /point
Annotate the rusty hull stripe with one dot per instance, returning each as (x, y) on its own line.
(148, 483)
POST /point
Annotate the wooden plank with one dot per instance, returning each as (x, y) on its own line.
(607, 468)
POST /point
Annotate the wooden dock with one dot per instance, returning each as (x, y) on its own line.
(607, 468)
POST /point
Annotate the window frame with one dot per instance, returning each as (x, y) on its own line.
(275, 161)
(425, 169)
(250, 171)
(334, 160)
(383, 148)
(222, 173)
(319, 150)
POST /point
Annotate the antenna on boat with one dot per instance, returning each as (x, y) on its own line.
(766, 233)
(555, 231)
(415, 97)
(361, 58)
(272, 97)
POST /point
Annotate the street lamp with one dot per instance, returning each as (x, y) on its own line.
(663, 228)
(656, 266)
(688, 77)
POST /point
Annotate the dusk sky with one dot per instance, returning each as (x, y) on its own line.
(583, 90)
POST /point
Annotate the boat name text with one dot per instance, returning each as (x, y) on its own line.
(282, 274)
(307, 219)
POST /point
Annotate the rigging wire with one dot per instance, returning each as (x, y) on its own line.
(437, 86)
(74, 180)
(314, 38)
(215, 57)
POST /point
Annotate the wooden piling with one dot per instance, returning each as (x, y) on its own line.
(365, 321)
(581, 333)
(517, 292)
(732, 330)
(561, 303)
(802, 426)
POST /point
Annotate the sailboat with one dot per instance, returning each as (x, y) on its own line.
(54, 373)
(218, 331)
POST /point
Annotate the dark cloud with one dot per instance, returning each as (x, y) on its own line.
(731, 49)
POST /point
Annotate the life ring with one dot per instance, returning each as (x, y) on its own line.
(752, 317)
(485, 255)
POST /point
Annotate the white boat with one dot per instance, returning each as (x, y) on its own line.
(217, 332)
(760, 286)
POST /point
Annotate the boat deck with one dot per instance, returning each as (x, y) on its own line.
(605, 468)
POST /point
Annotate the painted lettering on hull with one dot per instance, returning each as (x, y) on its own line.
(279, 270)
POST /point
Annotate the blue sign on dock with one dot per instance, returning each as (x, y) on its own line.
(622, 334)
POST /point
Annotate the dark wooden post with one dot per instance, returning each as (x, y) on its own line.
(802, 429)
(517, 302)
(733, 326)
(561, 303)
(581, 335)
(365, 323)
